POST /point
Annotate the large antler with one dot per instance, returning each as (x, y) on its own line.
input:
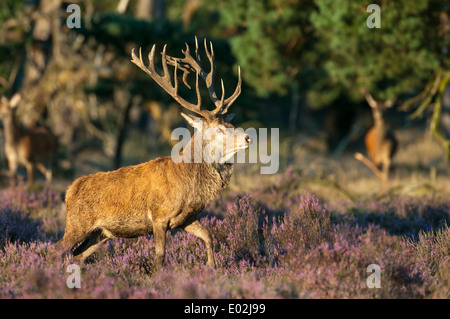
(165, 81)
(188, 64)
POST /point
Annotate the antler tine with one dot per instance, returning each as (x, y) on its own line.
(166, 70)
(138, 61)
(236, 93)
(210, 76)
(219, 108)
(199, 97)
(223, 94)
(165, 81)
(370, 99)
(189, 64)
(197, 55)
(175, 77)
(389, 103)
(227, 103)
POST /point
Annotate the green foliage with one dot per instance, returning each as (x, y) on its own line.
(322, 46)
(390, 60)
(326, 48)
(118, 30)
(269, 39)
(10, 9)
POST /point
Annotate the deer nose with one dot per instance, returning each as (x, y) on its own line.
(248, 140)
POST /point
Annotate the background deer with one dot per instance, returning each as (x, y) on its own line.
(28, 147)
(164, 193)
(380, 140)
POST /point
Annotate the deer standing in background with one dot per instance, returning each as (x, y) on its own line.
(380, 140)
(164, 193)
(28, 147)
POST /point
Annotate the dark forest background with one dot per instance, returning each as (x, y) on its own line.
(303, 64)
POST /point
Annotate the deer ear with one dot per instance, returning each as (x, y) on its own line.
(15, 100)
(370, 100)
(193, 121)
(388, 103)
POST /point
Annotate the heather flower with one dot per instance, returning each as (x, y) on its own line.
(17, 226)
(432, 250)
(274, 243)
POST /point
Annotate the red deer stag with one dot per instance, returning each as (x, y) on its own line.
(28, 147)
(380, 140)
(164, 193)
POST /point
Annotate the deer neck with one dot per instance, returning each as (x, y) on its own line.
(378, 119)
(213, 177)
(11, 130)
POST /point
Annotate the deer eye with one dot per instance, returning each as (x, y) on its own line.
(220, 131)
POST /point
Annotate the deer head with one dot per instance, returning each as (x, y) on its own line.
(7, 106)
(378, 107)
(215, 138)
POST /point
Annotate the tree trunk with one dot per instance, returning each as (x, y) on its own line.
(445, 118)
(144, 10)
(293, 112)
(123, 127)
(151, 10)
(122, 6)
(44, 25)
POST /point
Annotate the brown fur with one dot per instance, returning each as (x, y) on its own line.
(28, 147)
(162, 194)
(125, 202)
(380, 141)
(142, 199)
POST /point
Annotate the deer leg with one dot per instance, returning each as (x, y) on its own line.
(46, 172)
(69, 240)
(201, 232)
(90, 239)
(49, 177)
(159, 231)
(371, 165)
(92, 249)
(386, 167)
(90, 245)
(12, 172)
(30, 167)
